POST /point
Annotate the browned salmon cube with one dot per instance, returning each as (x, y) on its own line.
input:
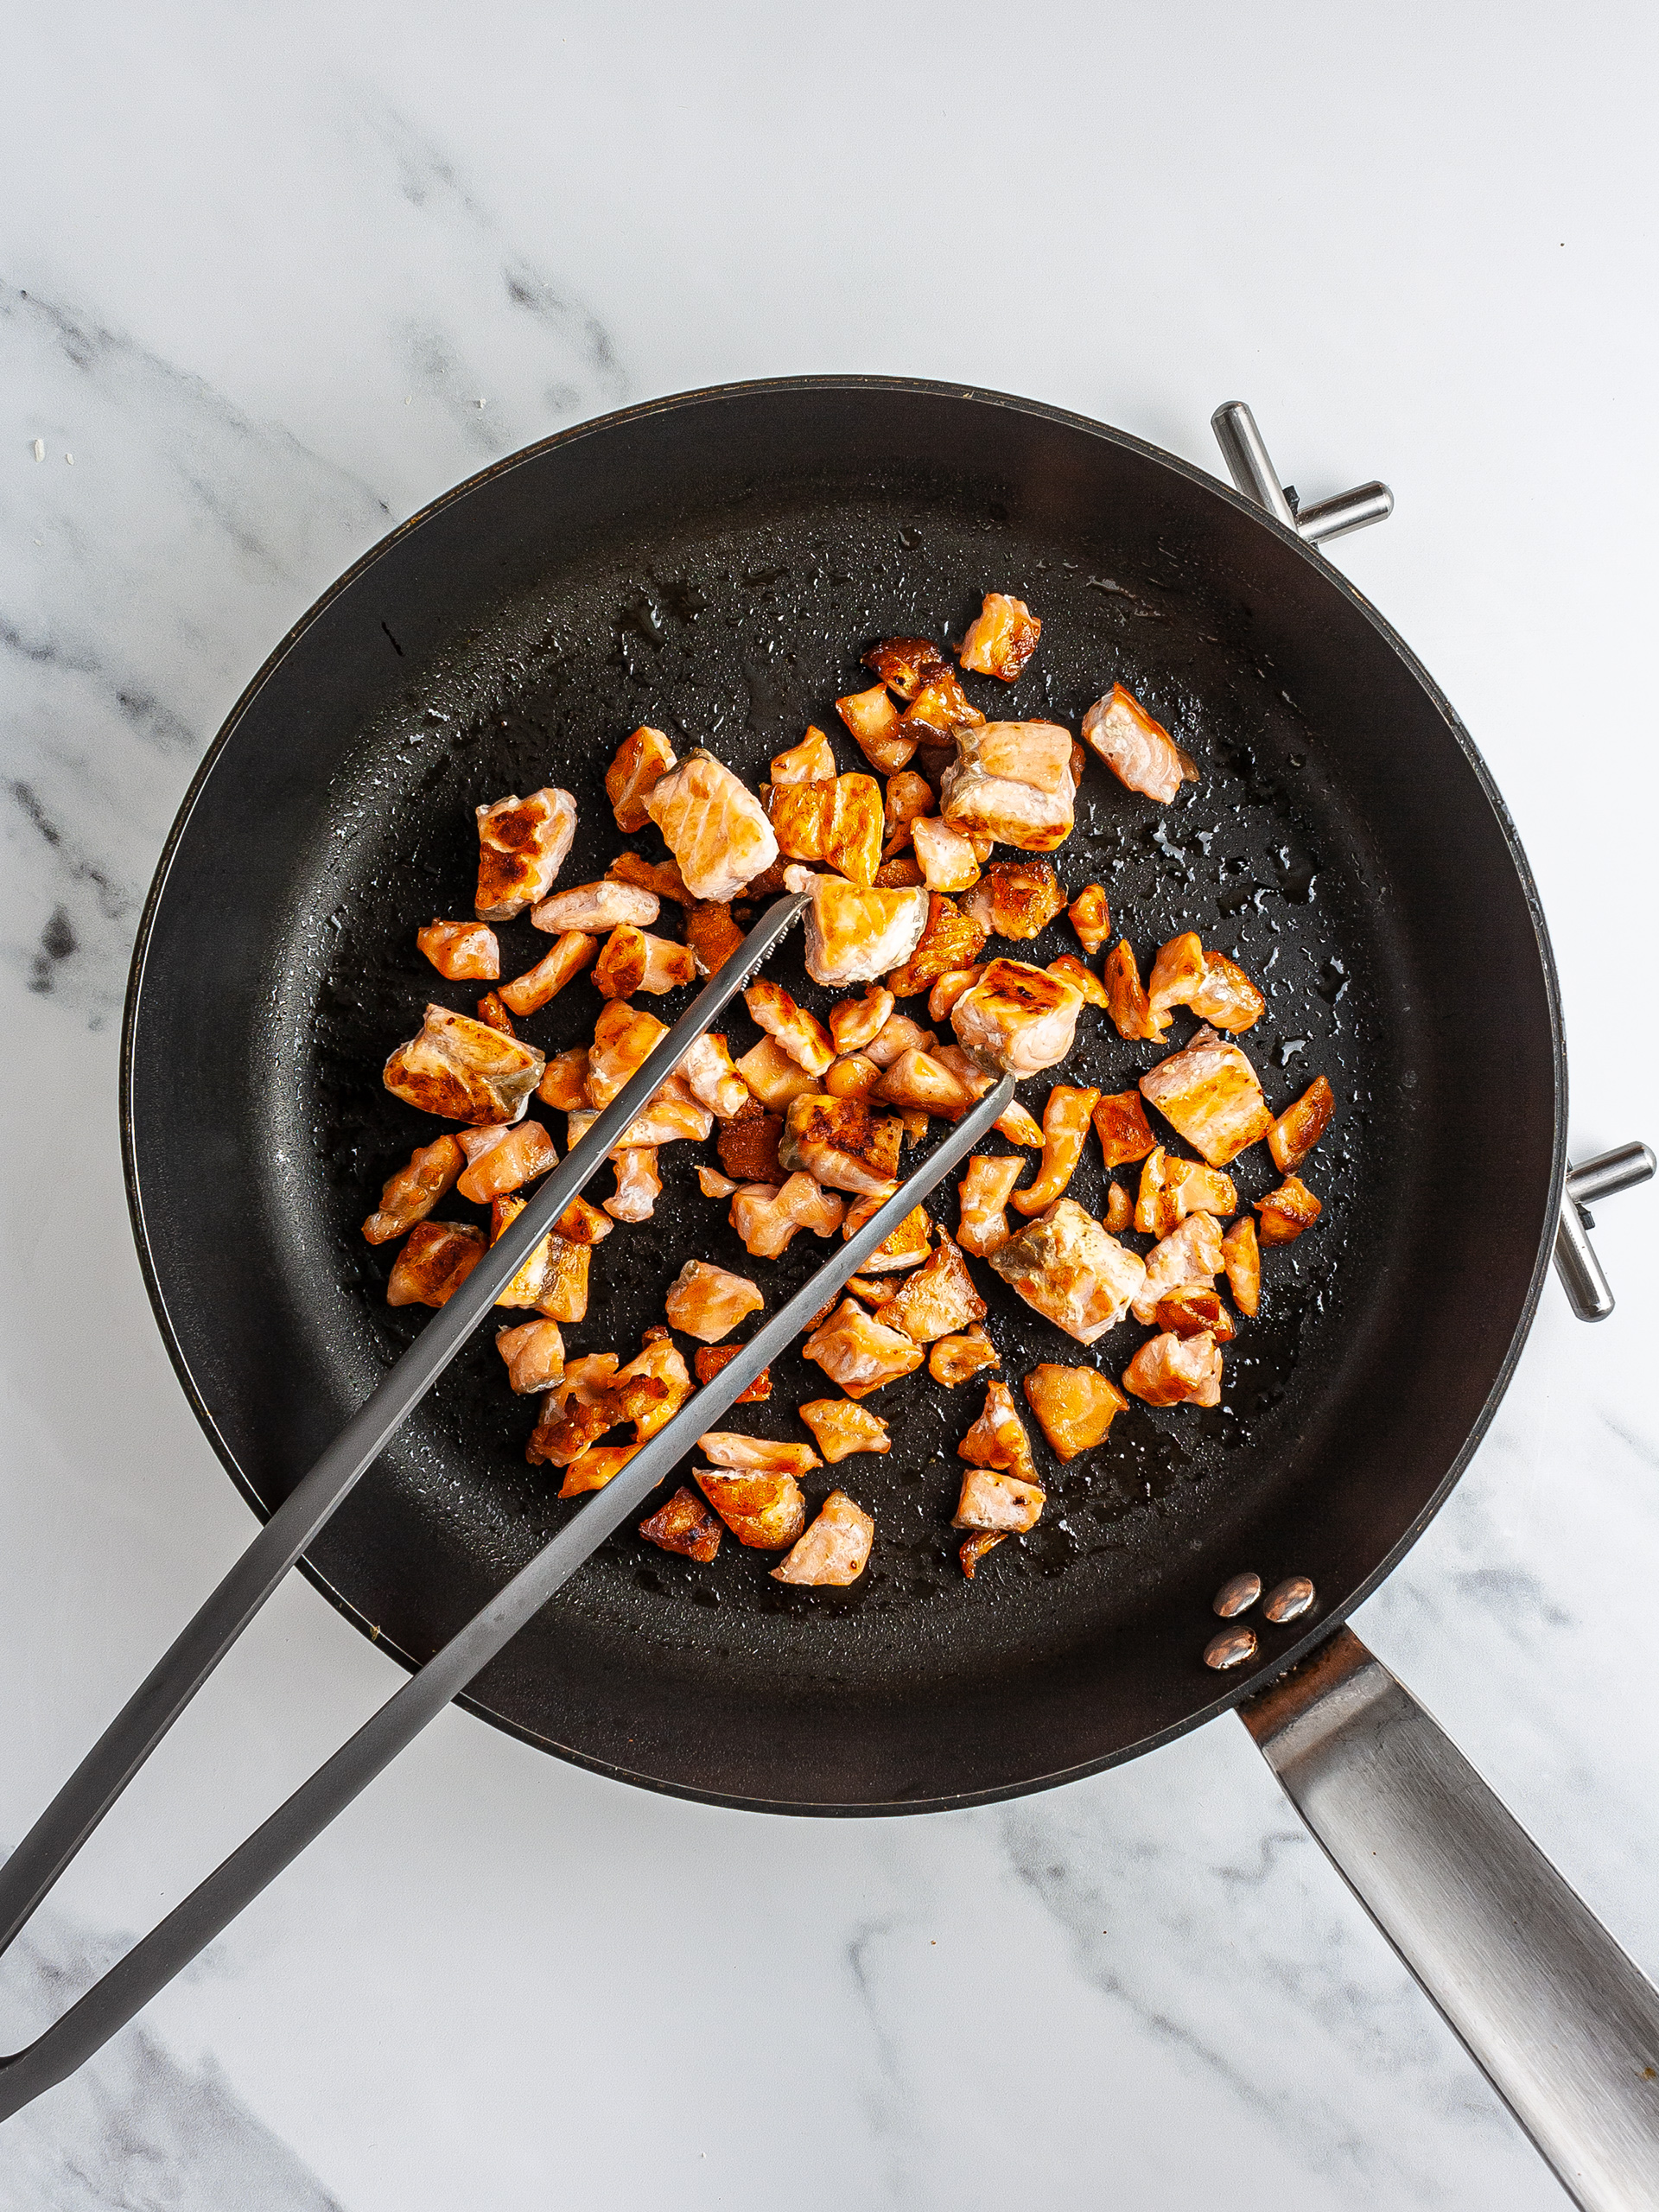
(938, 1298)
(873, 721)
(463, 1071)
(764, 1511)
(1074, 1406)
(1091, 917)
(841, 1144)
(1299, 1127)
(1288, 1211)
(1016, 898)
(859, 1353)
(1241, 1254)
(1125, 998)
(906, 665)
(1139, 750)
(434, 1261)
(640, 760)
(684, 1524)
(711, 934)
(1192, 1309)
(461, 951)
(1001, 639)
(1122, 1125)
(948, 939)
(410, 1194)
(1210, 1094)
(709, 1359)
(955, 1360)
(521, 843)
(1172, 1370)
(748, 1148)
(835, 1548)
(842, 1427)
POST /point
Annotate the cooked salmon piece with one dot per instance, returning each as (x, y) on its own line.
(1210, 1093)
(633, 960)
(1074, 1406)
(854, 1023)
(908, 795)
(1172, 1370)
(571, 952)
(561, 1437)
(1017, 1018)
(583, 1378)
(982, 1197)
(638, 1186)
(898, 1035)
(841, 1144)
(596, 908)
(855, 1074)
(920, 1083)
(1172, 1188)
(1066, 1125)
(1241, 1256)
(757, 1455)
(1120, 1208)
(1227, 998)
(1020, 1126)
(1288, 1211)
(1001, 638)
(1017, 899)
(907, 666)
(564, 1084)
(948, 987)
(861, 1354)
(1121, 1126)
(495, 1015)
(581, 1224)
(1154, 1205)
(553, 1281)
(1191, 1309)
(1177, 973)
(939, 1300)
(1072, 971)
(873, 1290)
(946, 859)
(1067, 1268)
(685, 1525)
(1126, 999)
(712, 1079)
(534, 1352)
(906, 1248)
(766, 1215)
(812, 761)
(435, 1260)
(709, 1359)
(708, 1302)
(748, 1143)
(998, 1440)
(1299, 1127)
(956, 1359)
(854, 936)
(842, 1428)
(712, 935)
(409, 1195)
(661, 878)
(801, 1034)
(661, 1357)
(939, 709)
(714, 1184)
(839, 822)
(521, 843)
(624, 1039)
(1091, 917)
(640, 760)
(765, 1512)
(500, 1158)
(1140, 752)
(1012, 781)
(873, 721)
(974, 1548)
(463, 1071)
(598, 1465)
(1190, 1253)
(712, 824)
(673, 1116)
(772, 1077)
(461, 951)
(902, 873)
(835, 1548)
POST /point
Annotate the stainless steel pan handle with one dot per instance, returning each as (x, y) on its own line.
(1562, 2025)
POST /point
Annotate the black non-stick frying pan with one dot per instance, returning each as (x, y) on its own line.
(715, 564)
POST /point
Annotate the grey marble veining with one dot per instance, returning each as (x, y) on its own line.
(275, 283)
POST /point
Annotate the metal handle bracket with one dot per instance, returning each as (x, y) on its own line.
(1582, 1278)
(1251, 465)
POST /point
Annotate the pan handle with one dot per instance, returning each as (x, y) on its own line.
(1561, 2022)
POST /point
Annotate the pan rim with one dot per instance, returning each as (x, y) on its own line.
(1202, 481)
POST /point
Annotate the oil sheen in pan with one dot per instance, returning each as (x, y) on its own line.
(739, 644)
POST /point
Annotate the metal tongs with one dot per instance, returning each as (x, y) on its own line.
(102, 1776)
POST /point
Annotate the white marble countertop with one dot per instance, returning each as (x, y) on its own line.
(276, 278)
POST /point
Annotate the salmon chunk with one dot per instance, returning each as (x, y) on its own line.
(765, 1512)
(908, 797)
(1012, 781)
(1120, 1208)
(938, 1300)
(410, 1194)
(858, 1353)
(490, 1011)
(957, 1359)
(1019, 1126)
(709, 1359)
(854, 936)
(521, 843)
(711, 935)
(661, 878)
(766, 1215)
(1004, 1505)
(1288, 1211)
(1140, 752)
(981, 1196)
(1177, 972)
(1190, 1253)
(801, 1034)
(596, 907)
(764, 1455)
(634, 959)
(683, 1525)
(553, 1281)
(640, 760)
(461, 951)
(939, 710)
(435, 1260)
(1125, 998)
(624, 1039)
(907, 666)
(501, 1158)
(1070, 970)
(1074, 1406)
(917, 1081)
(712, 824)
(812, 761)
(855, 1023)
(708, 1302)
(1017, 1018)
(1210, 1093)
(660, 1360)
(638, 1186)
(1121, 1126)
(948, 987)
(949, 940)
(534, 1352)
(708, 1073)
(946, 859)
(1091, 917)
(898, 1035)
(1001, 638)
(838, 821)
(842, 1428)
(1192, 1308)
(1172, 1188)
(1066, 1125)
(1016, 898)
(572, 952)
(1241, 1254)
(906, 1248)
(463, 1071)
(873, 721)
(1299, 1127)
(748, 1143)
(834, 1549)
(1172, 1370)
(1226, 998)
(768, 1072)
(841, 1144)
(998, 1440)
(1067, 1268)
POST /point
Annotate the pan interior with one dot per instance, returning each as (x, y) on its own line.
(726, 598)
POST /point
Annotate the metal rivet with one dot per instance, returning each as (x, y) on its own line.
(1230, 1649)
(1237, 1595)
(1289, 1600)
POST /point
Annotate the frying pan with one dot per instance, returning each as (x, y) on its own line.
(714, 564)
